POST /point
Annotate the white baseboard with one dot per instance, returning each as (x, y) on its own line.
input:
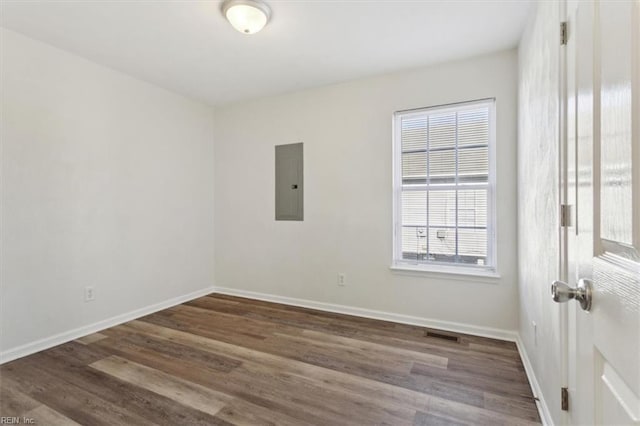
(543, 408)
(494, 333)
(58, 339)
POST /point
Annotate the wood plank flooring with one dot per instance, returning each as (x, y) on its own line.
(221, 360)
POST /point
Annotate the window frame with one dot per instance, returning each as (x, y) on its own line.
(400, 264)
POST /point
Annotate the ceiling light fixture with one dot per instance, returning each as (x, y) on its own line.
(246, 16)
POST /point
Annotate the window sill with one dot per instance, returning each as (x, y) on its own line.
(438, 271)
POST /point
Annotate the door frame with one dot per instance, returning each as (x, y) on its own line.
(563, 182)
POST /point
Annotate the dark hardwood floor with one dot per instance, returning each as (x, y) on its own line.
(227, 360)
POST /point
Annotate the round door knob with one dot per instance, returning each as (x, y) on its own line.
(561, 293)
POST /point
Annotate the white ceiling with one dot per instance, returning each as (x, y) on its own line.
(188, 46)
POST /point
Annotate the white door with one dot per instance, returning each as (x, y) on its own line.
(603, 186)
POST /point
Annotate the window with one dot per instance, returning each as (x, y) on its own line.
(444, 188)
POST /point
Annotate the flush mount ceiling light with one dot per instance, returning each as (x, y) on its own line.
(246, 16)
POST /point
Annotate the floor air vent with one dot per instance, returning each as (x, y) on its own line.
(443, 336)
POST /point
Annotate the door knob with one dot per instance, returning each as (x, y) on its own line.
(562, 293)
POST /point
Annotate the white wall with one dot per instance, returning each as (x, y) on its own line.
(107, 181)
(538, 198)
(346, 130)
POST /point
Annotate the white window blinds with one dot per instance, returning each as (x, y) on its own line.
(444, 185)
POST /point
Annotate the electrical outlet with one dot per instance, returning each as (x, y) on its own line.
(89, 294)
(342, 279)
(535, 333)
